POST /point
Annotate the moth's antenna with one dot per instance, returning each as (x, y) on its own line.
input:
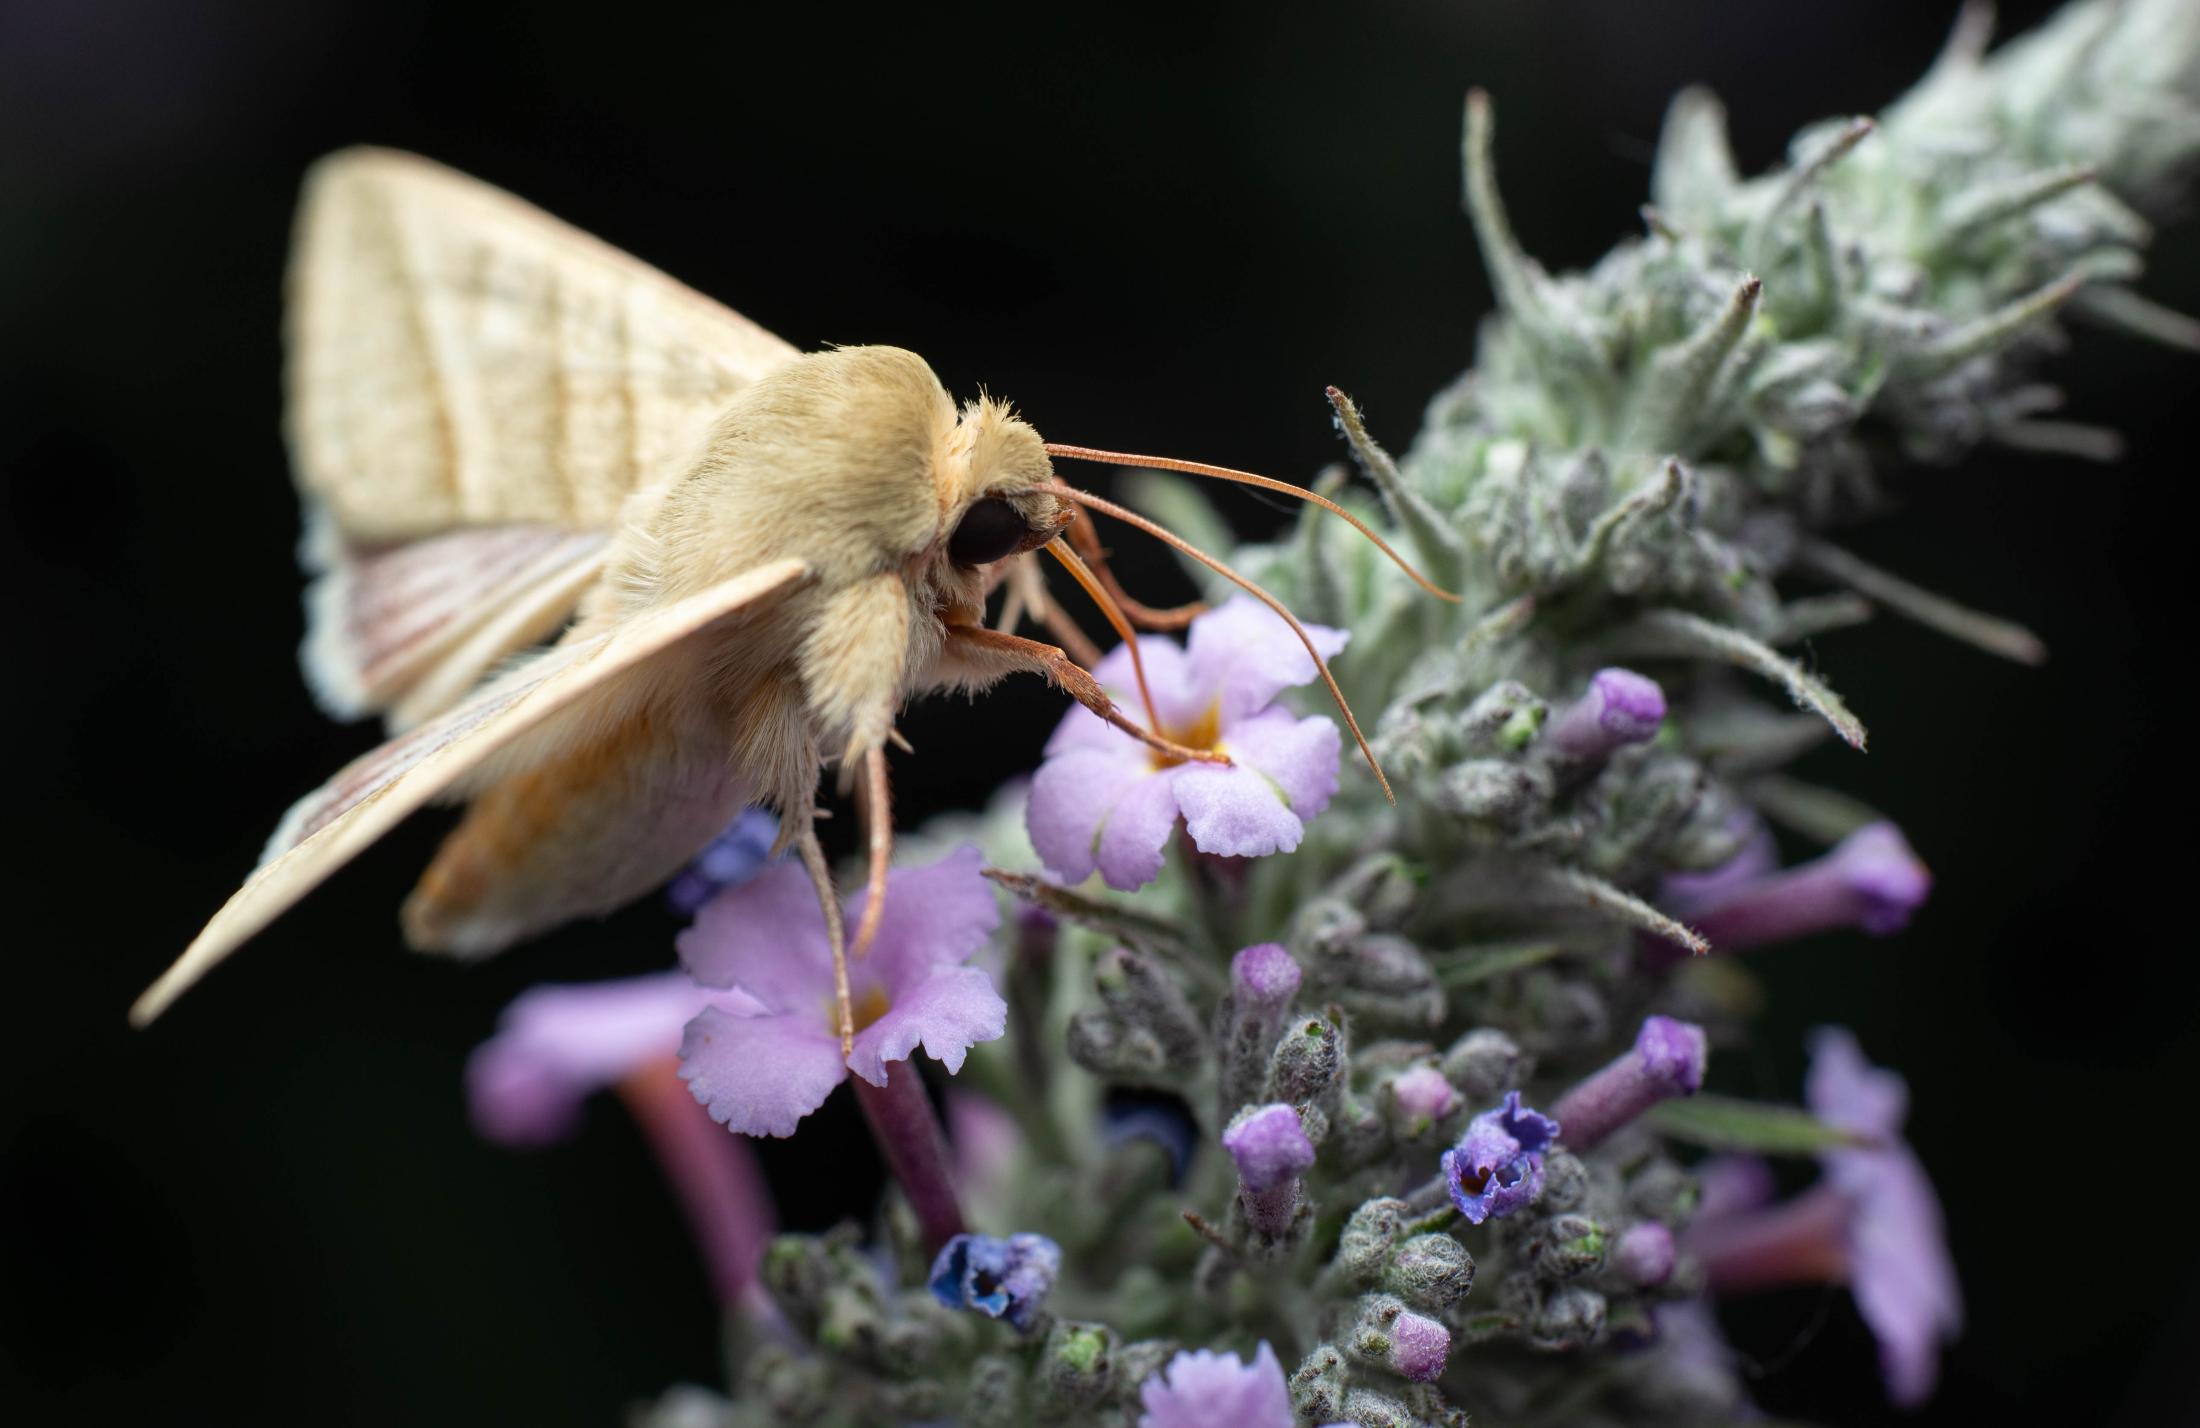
(1177, 542)
(878, 816)
(1115, 617)
(1086, 538)
(1265, 483)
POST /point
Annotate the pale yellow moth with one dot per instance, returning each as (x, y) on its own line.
(746, 558)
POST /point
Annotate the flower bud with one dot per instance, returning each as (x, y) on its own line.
(1503, 717)
(1667, 1060)
(1388, 1335)
(1565, 1180)
(1364, 1248)
(1431, 1272)
(1567, 1318)
(995, 1397)
(1143, 995)
(1307, 1064)
(1484, 1064)
(1418, 1100)
(1567, 1246)
(1076, 1369)
(1319, 1385)
(1620, 708)
(1645, 1255)
(1870, 879)
(1492, 791)
(1263, 980)
(1271, 1152)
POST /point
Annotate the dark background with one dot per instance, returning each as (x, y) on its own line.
(1160, 229)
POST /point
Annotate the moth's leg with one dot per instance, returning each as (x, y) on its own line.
(1012, 652)
(821, 877)
(878, 815)
(1086, 537)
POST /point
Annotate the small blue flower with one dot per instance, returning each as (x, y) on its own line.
(729, 860)
(1130, 1114)
(1001, 1279)
(1497, 1166)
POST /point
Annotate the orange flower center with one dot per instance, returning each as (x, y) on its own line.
(1203, 733)
(865, 1005)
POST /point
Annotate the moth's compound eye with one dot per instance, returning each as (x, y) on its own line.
(988, 530)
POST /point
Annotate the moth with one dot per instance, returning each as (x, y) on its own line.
(612, 562)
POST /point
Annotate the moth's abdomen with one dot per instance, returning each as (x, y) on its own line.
(581, 835)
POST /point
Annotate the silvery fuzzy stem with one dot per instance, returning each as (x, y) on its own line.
(1666, 1060)
(908, 1134)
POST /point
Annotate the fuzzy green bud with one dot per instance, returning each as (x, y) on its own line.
(1568, 1246)
(1369, 1237)
(1432, 1272)
(1484, 1064)
(1076, 1368)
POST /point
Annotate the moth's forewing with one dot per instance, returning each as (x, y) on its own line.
(332, 825)
(475, 389)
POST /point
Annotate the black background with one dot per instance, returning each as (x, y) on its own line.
(1163, 229)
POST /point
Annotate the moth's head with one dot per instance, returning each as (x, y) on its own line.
(988, 471)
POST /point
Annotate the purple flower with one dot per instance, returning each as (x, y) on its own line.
(1271, 1152)
(1268, 1146)
(1729, 1184)
(1755, 857)
(556, 1045)
(1645, 1254)
(1265, 976)
(1420, 1099)
(1497, 1166)
(1667, 1060)
(1418, 1347)
(1901, 1274)
(1621, 708)
(760, 1072)
(1203, 1389)
(1872, 1222)
(1870, 879)
(1001, 1279)
(727, 861)
(1103, 801)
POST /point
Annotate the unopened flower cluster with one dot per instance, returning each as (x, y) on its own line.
(1270, 1103)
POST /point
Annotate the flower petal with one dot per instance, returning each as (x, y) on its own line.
(1237, 813)
(760, 1075)
(1179, 695)
(936, 915)
(1901, 1274)
(1176, 699)
(1201, 1389)
(556, 1044)
(1847, 1091)
(1071, 797)
(949, 1012)
(1135, 832)
(1245, 652)
(1298, 755)
(767, 935)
